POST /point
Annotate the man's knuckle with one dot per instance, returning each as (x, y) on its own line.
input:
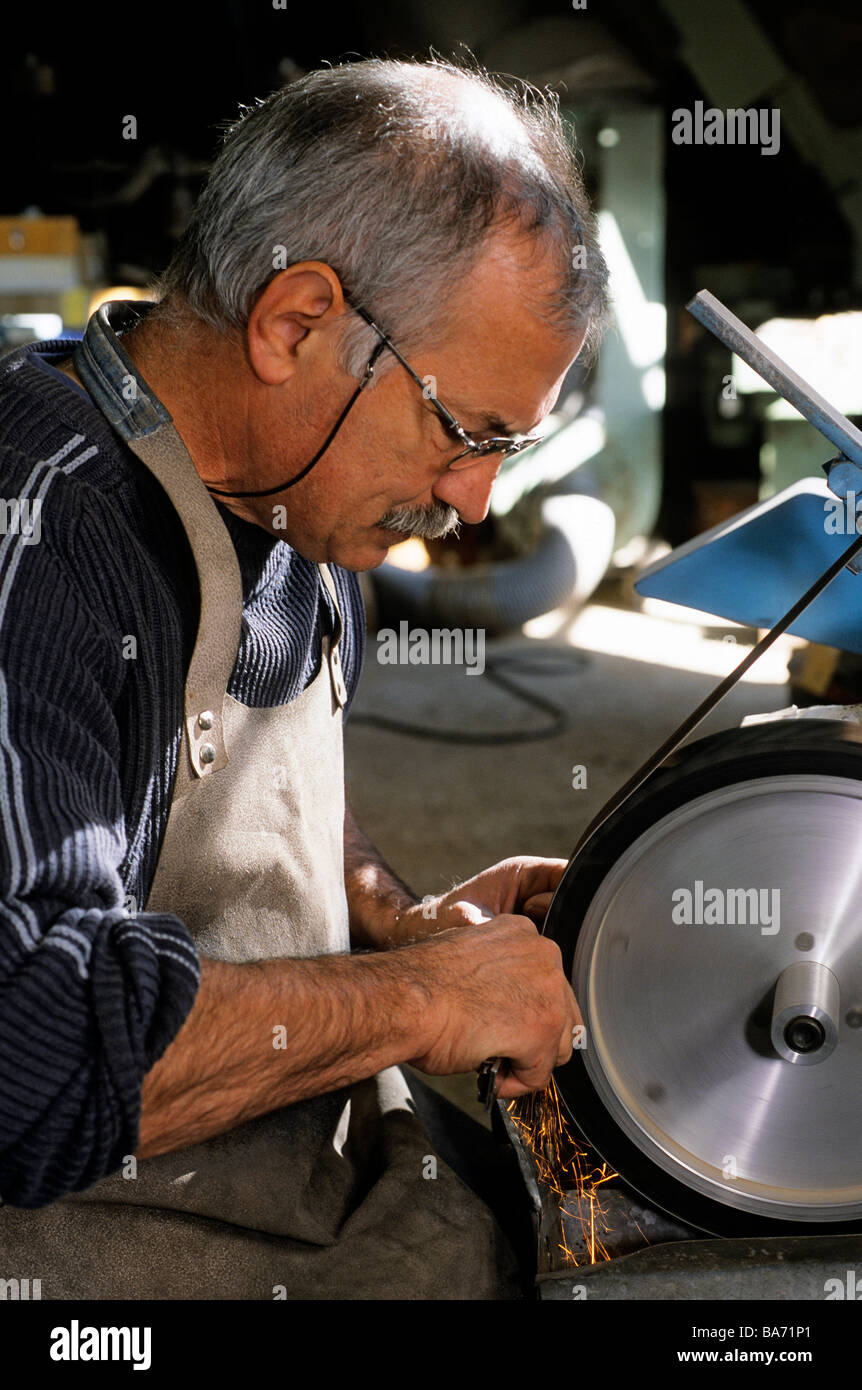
(551, 950)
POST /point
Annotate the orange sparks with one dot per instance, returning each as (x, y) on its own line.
(560, 1166)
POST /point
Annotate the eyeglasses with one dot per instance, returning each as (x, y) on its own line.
(474, 449)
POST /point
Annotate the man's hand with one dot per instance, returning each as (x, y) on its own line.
(500, 991)
(445, 1004)
(523, 885)
(384, 912)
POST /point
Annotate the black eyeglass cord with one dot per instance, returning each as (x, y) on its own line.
(283, 487)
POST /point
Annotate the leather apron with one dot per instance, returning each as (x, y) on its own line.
(331, 1197)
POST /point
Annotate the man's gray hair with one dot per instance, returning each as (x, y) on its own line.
(393, 173)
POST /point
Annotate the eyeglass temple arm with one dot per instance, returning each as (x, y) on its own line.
(447, 414)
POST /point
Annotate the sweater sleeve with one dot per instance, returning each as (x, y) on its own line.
(90, 995)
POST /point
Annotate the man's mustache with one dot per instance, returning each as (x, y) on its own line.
(428, 522)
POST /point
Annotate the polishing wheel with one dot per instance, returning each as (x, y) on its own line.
(712, 932)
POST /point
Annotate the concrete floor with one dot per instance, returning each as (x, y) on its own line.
(440, 812)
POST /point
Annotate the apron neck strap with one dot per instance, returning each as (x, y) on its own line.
(146, 426)
(331, 648)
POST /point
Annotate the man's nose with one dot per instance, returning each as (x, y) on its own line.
(468, 490)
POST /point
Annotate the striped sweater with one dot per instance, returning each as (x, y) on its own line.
(98, 614)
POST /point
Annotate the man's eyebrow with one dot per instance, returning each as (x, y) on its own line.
(493, 422)
(488, 420)
(499, 427)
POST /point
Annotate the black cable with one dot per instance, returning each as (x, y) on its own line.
(496, 670)
(283, 487)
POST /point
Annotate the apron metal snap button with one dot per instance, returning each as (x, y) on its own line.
(207, 753)
(205, 719)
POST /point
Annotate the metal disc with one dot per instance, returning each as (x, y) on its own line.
(678, 1013)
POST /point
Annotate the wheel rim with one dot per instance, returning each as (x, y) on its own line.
(687, 1071)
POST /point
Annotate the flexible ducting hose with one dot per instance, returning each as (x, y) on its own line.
(568, 562)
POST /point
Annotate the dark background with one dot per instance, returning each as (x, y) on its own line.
(72, 73)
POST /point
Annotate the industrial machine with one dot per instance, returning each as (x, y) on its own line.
(712, 934)
(709, 921)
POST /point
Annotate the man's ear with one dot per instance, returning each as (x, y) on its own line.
(287, 316)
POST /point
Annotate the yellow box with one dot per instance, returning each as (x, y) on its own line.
(39, 236)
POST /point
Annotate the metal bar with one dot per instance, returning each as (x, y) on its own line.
(733, 333)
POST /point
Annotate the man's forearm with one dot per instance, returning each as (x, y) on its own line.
(267, 1033)
(376, 897)
(341, 1019)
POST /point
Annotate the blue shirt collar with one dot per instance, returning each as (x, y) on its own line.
(129, 405)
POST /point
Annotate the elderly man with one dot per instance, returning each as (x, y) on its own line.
(387, 277)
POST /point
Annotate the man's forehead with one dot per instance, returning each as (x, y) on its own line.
(512, 392)
(503, 362)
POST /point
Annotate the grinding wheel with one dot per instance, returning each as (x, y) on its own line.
(721, 1075)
